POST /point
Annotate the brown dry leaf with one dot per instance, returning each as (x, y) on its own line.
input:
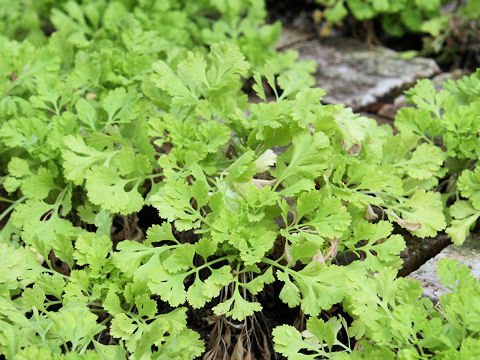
(318, 257)
(210, 354)
(358, 346)
(265, 349)
(412, 226)
(260, 338)
(333, 249)
(370, 214)
(288, 254)
(260, 183)
(239, 352)
(218, 343)
(214, 346)
(294, 213)
(227, 338)
(331, 252)
(213, 319)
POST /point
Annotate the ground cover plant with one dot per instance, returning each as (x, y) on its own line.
(396, 17)
(287, 201)
(449, 29)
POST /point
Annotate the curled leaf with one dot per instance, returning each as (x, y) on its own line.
(409, 225)
(260, 183)
(370, 214)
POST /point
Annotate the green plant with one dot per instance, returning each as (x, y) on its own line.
(450, 119)
(453, 36)
(222, 187)
(450, 29)
(397, 17)
(391, 321)
(150, 29)
(97, 123)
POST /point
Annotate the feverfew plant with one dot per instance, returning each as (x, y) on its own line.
(450, 118)
(393, 322)
(236, 197)
(97, 124)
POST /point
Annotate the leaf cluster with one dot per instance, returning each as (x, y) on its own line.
(393, 322)
(124, 107)
(397, 17)
(449, 29)
(449, 118)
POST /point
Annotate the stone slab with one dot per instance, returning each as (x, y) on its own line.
(419, 251)
(359, 75)
(468, 254)
(291, 35)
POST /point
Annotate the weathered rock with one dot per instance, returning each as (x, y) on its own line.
(419, 251)
(291, 35)
(468, 254)
(441, 78)
(358, 75)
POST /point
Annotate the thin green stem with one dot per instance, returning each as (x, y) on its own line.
(208, 264)
(11, 207)
(3, 199)
(275, 263)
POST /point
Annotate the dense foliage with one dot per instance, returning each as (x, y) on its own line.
(450, 29)
(393, 323)
(131, 104)
(396, 16)
(143, 30)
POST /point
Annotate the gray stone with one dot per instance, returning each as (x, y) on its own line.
(291, 35)
(441, 78)
(357, 74)
(468, 254)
